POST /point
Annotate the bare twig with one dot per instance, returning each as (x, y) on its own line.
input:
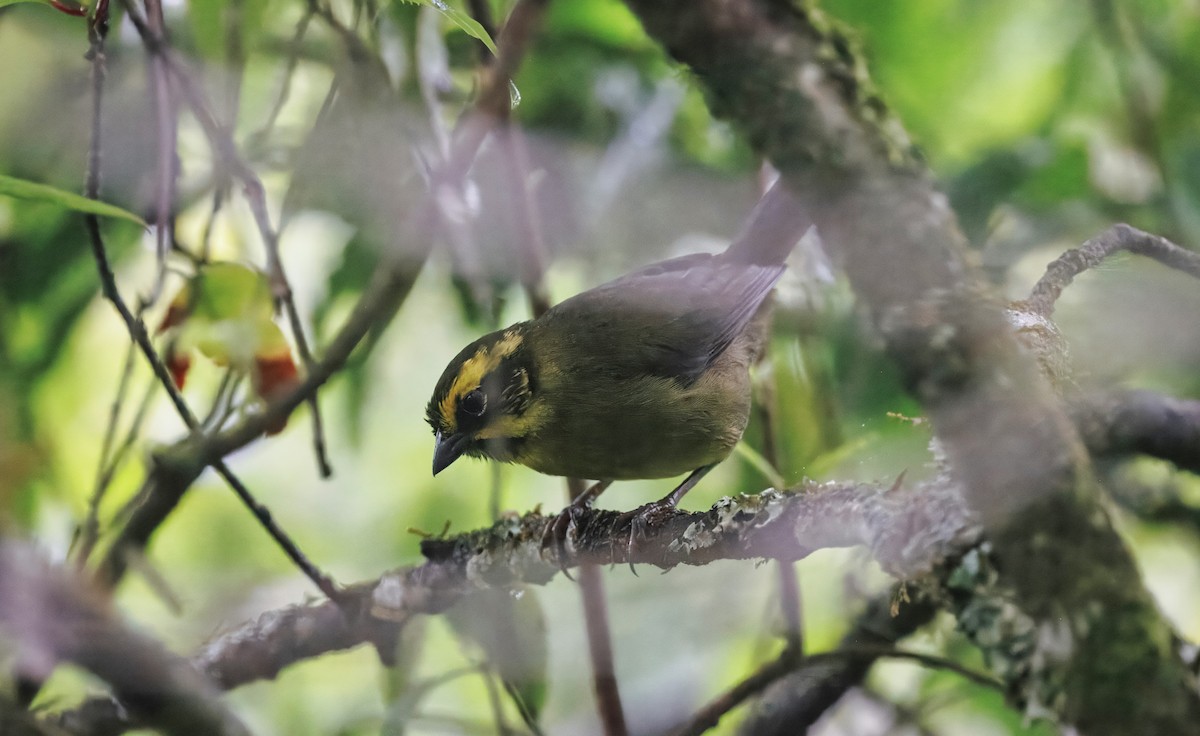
(225, 148)
(222, 402)
(137, 331)
(89, 530)
(796, 699)
(285, 86)
(770, 673)
(529, 219)
(220, 191)
(791, 605)
(789, 587)
(599, 638)
(166, 134)
(591, 579)
(181, 463)
(710, 715)
(1063, 270)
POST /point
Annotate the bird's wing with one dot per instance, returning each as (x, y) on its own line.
(681, 313)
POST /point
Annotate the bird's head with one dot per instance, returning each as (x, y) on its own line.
(480, 406)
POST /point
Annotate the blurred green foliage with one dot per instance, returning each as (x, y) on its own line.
(1045, 122)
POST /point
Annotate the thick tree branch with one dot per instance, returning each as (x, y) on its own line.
(896, 524)
(52, 620)
(908, 530)
(1140, 422)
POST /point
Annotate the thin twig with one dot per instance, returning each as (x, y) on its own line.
(220, 191)
(529, 219)
(389, 286)
(285, 88)
(433, 75)
(1140, 109)
(90, 529)
(225, 148)
(604, 676)
(599, 638)
(516, 156)
(224, 402)
(481, 11)
(591, 580)
(97, 34)
(132, 433)
(789, 587)
(711, 714)
(791, 605)
(137, 331)
(489, 677)
(166, 126)
(166, 138)
(235, 60)
(1063, 270)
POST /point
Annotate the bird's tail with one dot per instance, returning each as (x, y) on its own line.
(774, 227)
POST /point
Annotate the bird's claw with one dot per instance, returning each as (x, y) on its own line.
(557, 531)
(641, 520)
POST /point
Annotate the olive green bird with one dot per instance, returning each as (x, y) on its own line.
(646, 376)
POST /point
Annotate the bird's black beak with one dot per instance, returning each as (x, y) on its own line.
(447, 449)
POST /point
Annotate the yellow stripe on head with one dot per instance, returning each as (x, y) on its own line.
(474, 369)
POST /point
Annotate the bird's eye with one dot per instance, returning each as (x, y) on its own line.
(474, 403)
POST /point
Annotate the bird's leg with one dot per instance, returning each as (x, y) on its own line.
(589, 496)
(558, 529)
(672, 499)
(648, 515)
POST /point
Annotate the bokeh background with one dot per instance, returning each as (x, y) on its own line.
(1045, 123)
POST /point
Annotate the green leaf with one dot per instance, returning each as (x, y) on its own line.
(225, 290)
(465, 22)
(23, 189)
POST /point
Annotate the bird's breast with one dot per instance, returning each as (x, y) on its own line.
(604, 427)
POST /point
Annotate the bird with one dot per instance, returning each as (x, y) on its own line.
(644, 377)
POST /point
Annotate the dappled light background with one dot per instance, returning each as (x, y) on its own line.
(1045, 124)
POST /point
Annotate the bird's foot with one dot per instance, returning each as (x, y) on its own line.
(556, 532)
(560, 527)
(641, 520)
